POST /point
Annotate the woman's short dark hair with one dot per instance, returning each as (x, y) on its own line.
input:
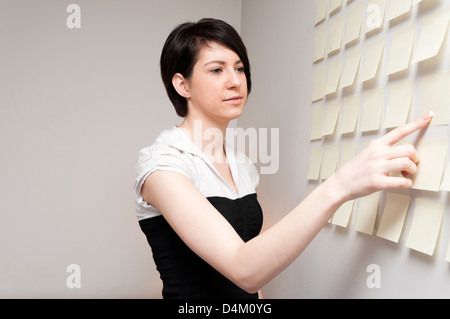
(180, 53)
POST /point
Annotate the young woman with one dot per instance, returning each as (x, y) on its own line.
(196, 197)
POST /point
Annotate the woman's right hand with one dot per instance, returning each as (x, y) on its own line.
(370, 170)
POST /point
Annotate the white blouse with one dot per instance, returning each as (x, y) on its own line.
(174, 151)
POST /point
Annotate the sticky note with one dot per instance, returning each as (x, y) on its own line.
(434, 29)
(354, 22)
(398, 8)
(333, 110)
(445, 185)
(334, 5)
(329, 161)
(333, 77)
(401, 49)
(320, 43)
(351, 111)
(351, 66)
(315, 163)
(342, 216)
(367, 213)
(317, 122)
(432, 154)
(372, 59)
(425, 226)
(349, 151)
(372, 107)
(393, 217)
(375, 14)
(435, 96)
(319, 83)
(321, 11)
(399, 104)
(335, 33)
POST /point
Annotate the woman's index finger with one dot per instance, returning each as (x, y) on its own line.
(401, 132)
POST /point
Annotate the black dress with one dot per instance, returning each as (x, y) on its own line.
(183, 273)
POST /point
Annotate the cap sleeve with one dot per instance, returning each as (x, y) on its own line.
(163, 158)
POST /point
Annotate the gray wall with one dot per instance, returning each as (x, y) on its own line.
(280, 39)
(76, 106)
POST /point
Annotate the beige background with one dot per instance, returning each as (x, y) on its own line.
(76, 106)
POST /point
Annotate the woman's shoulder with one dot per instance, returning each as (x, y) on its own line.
(168, 142)
(167, 152)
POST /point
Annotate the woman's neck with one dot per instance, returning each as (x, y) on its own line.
(209, 137)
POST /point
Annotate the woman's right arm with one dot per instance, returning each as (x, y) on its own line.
(252, 264)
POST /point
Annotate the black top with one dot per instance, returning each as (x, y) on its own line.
(184, 274)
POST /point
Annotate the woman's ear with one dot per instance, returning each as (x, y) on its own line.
(181, 86)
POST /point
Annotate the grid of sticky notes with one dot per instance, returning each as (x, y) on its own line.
(364, 53)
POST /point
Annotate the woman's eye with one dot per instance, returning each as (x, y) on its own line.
(218, 70)
(241, 69)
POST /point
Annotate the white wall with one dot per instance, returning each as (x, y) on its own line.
(76, 106)
(280, 39)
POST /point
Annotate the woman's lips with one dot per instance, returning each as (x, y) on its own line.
(234, 100)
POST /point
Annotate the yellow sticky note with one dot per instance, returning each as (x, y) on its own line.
(445, 185)
(321, 11)
(399, 104)
(352, 62)
(329, 161)
(317, 122)
(393, 217)
(367, 213)
(333, 110)
(319, 83)
(375, 13)
(398, 8)
(349, 151)
(434, 29)
(333, 77)
(374, 53)
(425, 226)
(435, 96)
(335, 33)
(401, 49)
(372, 107)
(432, 154)
(342, 216)
(315, 163)
(354, 22)
(334, 5)
(351, 106)
(320, 43)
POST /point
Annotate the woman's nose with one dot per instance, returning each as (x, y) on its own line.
(233, 80)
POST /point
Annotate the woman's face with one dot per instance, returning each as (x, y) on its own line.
(218, 85)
